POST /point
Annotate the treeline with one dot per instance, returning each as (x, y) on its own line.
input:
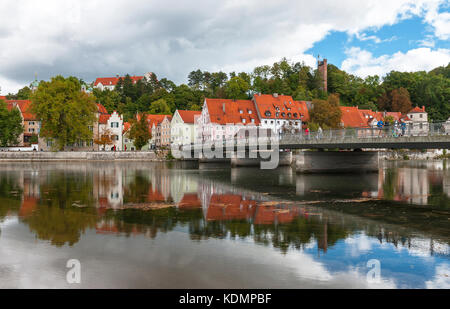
(397, 91)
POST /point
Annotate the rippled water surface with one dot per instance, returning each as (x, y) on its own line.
(147, 225)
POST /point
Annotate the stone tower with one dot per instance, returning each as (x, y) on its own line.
(322, 67)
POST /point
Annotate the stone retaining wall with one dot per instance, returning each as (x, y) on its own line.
(78, 156)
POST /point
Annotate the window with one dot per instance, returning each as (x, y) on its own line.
(241, 111)
(265, 121)
(114, 124)
(268, 113)
(250, 112)
(295, 115)
(243, 120)
(253, 120)
(421, 115)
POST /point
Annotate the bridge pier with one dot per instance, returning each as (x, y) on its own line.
(337, 162)
(284, 159)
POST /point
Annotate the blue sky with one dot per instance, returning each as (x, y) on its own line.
(172, 38)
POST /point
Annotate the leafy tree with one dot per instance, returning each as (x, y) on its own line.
(104, 138)
(326, 113)
(195, 79)
(237, 88)
(64, 110)
(140, 132)
(160, 107)
(401, 101)
(10, 124)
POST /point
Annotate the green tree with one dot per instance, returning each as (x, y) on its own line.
(64, 110)
(140, 132)
(159, 107)
(10, 124)
(237, 88)
(401, 101)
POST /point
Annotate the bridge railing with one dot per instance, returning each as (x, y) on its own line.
(344, 135)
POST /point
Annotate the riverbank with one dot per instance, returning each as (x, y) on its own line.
(402, 154)
(79, 156)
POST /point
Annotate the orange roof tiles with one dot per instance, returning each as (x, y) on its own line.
(189, 116)
(280, 107)
(352, 118)
(25, 108)
(230, 207)
(126, 127)
(226, 111)
(418, 110)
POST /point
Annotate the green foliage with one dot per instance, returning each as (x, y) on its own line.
(237, 88)
(10, 124)
(65, 112)
(140, 132)
(160, 107)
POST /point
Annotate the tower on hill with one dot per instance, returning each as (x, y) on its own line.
(322, 68)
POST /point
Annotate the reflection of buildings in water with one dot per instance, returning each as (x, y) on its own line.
(29, 183)
(182, 183)
(108, 187)
(189, 201)
(446, 184)
(412, 186)
(160, 179)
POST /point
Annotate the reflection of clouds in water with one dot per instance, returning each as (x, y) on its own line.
(360, 244)
(441, 278)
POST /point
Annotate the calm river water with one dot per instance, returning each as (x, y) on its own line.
(148, 225)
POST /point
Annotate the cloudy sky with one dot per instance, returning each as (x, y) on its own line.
(92, 38)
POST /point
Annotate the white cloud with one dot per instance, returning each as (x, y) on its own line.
(172, 38)
(363, 63)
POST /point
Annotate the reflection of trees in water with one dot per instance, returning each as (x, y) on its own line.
(59, 217)
(281, 236)
(10, 196)
(390, 183)
(137, 190)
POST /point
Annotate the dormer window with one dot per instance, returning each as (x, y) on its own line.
(289, 115)
(243, 121)
(268, 114)
(295, 115)
(249, 111)
(277, 114)
(283, 114)
(241, 111)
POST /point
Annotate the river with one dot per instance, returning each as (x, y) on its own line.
(180, 225)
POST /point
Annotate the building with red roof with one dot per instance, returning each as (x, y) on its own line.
(30, 122)
(110, 83)
(223, 118)
(353, 118)
(183, 127)
(280, 112)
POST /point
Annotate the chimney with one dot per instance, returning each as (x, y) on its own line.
(223, 106)
(423, 108)
(275, 95)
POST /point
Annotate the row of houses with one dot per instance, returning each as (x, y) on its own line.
(219, 119)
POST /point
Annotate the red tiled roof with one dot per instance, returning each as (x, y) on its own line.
(103, 118)
(156, 119)
(103, 114)
(189, 116)
(112, 81)
(2, 97)
(225, 111)
(24, 106)
(418, 110)
(101, 109)
(280, 107)
(352, 118)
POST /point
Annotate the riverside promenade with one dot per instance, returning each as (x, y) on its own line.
(36, 156)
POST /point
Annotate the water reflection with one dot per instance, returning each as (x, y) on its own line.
(321, 216)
